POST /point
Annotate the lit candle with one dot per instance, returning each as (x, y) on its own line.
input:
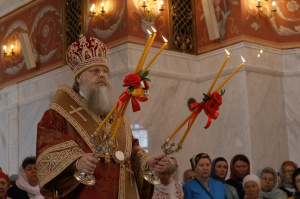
(107, 117)
(113, 137)
(188, 129)
(258, 2)
(181, 125)
(102, 6)
(274, 4)
(219, 87)
(4, 48)
(220, 71)
(12, 48)
(148, 49)
(152, 60)
(143, 54)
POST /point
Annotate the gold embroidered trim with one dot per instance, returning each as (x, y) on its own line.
(56, 159)
(74, 123)
(122, 176)
(139, 163)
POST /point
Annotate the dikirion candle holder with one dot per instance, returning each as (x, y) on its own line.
(210, 104)
(137, 91)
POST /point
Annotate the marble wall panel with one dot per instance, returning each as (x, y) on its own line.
(292, 110)
(267, 120)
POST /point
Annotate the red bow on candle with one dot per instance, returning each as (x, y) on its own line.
(134, 100)
(198, 106)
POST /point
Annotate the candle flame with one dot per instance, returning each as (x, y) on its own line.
(273, 3)
(149, 32)
(161, 2)
(12, 46)
(166, 41)
(227, 52)
(4, 47)
(154, 30)
(243, 59)
(102, 4)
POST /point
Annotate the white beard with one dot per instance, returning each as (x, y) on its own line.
(99, 99)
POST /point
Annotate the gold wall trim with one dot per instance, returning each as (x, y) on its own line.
(245, 38)
(134, 40)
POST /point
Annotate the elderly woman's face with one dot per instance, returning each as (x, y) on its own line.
(251, 190)
(287, 173)
(3, 187)
(267, 182)
(203, 168)
(31, 174)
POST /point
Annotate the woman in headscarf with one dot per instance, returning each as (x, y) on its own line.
(239, 168)
(27, 184)
(219, 172)
(169, 187)
(269, 184)
(296, 181)
(4, 185)
(203, 187)
(286, 170)
(251, 185)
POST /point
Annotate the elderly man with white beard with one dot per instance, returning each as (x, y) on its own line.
(64, 133)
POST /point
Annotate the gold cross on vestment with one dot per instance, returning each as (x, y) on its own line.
(77, 111)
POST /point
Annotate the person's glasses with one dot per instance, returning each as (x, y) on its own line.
(97, 72)
(288, 171)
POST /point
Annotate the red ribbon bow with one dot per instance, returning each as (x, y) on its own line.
(134, 100)
(198, 106)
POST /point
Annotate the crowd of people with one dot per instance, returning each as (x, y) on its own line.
(206, 180)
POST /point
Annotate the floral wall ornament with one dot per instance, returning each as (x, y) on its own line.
(292, 6)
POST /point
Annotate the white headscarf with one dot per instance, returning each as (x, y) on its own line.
(251, 177)
(23, 184)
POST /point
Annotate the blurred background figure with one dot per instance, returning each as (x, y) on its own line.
(13, 179)
(251, 185)
(296, 181)
(286, 170)
(169, 188)
(27, 185)
(4, 185)
(219, 170)
(188, 175)
(239, 168)
(203, 187)
(269, 184)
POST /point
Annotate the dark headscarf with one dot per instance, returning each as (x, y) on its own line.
(194, 160)
(295, 174)
(213, 173)
(233, 173)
